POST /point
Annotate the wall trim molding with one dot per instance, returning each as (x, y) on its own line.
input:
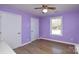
(50, 40)
(27, 43)
(24, 44)
(58, 41)
(76, 45)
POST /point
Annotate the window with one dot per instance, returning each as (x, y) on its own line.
(56, 25)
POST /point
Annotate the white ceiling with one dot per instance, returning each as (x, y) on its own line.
(59, 8)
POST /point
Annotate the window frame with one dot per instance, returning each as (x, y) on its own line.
(61, 25)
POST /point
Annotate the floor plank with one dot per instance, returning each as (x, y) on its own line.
(45, 47)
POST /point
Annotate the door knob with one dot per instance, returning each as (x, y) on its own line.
(32, 31)
(0, 32)
(18, 33)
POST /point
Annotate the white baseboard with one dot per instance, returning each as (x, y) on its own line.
(27, 43)
(76, 45)
(24, 44)
(51, 40)
(59, 41)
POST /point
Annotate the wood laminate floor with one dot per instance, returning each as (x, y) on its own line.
(45, 47)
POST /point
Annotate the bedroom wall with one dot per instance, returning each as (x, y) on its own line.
(25, 21)
(70, 27)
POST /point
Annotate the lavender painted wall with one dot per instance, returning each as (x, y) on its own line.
(70, 27)
(25, 21)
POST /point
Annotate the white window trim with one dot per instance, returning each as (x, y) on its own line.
(51, 25)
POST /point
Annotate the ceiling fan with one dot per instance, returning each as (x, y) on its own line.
(45, 8)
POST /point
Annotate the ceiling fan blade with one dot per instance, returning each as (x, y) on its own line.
(38, 8)
(53, 8)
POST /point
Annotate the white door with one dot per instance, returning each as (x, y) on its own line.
(34, 28)
(11, 29)
(0, 27)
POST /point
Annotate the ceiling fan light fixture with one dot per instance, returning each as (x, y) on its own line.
(44, 10)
